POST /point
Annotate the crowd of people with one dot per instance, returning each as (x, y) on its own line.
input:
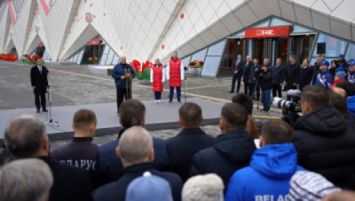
(269, 81)
(314, 160)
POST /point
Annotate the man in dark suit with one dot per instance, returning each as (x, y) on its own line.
(248, 64)
(39, 82)
(190, 140)
(237, 67)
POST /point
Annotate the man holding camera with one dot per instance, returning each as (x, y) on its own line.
(123, 74)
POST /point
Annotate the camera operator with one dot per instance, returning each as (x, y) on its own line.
(324, 139)
(265, 82)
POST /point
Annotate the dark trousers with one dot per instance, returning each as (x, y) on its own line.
(236, 78)
(157, 95)
(266, 99)
(178, 93)
(40, 99)
(246, 86)
(121, 94)
(251, 89)
(257, 92)
(276, 90)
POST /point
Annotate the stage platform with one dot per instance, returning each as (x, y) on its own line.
(158, 117)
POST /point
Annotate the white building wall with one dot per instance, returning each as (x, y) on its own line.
(148, 29)
(4, 26)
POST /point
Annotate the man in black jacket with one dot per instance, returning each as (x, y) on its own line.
(324, 139)
(237, 68)
(248, 64)
(25, 137)
(81, 152)
(233, 148)
(265, 81)
(108, 166)
(292, 73)
(190, 140)
(135, 149)
(39, 83)
(252, 78)
(278, 74)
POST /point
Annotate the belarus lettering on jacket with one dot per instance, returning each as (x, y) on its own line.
(324, 79)
(83, 164)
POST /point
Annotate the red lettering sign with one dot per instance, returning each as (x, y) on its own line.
(268, 32)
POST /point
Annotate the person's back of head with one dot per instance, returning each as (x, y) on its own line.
(25, 180)
(190, 115)
(245, 101)
(135, 146)
(314, 98)
(339, 102)
(275, 132)
(207, 187)
(25, 136)
(147, 188)
(348, 87)
(233, 117)
(84, 123)
(132, 113)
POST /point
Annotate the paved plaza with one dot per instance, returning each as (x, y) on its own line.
(76, 86)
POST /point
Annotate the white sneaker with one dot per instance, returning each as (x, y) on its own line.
(155, 101)
(159, 101)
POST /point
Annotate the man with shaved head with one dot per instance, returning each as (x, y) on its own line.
(123, 74)
(135, 149)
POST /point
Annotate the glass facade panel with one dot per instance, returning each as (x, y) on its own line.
(351, 52)
(186, 60)
(279, 22)
(333, 46)
(200, 55)
(301, 29)
(263, 23)
(211, 65)
(216, 49)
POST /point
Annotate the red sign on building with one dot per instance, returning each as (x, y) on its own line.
(268, 32)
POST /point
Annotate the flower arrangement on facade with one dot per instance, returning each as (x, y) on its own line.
(196, 64)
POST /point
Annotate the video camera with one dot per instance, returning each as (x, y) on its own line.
(290, 107)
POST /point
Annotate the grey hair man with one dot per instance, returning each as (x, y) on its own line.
(26, 137)
(136, 152)
(25, 180)
(207, 187)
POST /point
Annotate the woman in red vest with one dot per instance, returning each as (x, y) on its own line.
(175, 73)
(157, 79)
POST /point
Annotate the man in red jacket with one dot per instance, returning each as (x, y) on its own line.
(174, 74)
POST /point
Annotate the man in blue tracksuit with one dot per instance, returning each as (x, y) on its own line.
(271, 168)
(324, 78)
(351, 76)
(123, 74)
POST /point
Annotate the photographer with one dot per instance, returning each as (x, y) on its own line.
(265, 82)
(323, 138)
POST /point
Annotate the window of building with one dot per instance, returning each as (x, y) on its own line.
(265, 23)
(200, 55)
(211, 65)
(333, 46)
(216, 49)
(351, 52)
(279, 22)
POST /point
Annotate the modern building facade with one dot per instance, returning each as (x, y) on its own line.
(212, 31)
